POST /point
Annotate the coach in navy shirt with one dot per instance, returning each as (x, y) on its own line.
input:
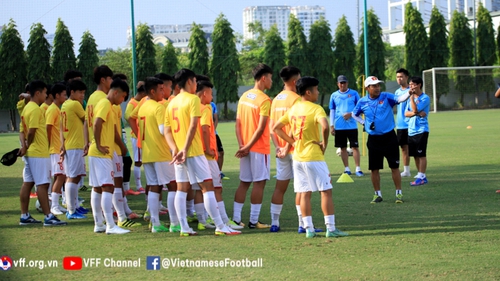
(382, 140)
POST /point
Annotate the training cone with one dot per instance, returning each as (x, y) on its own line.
(345, 178)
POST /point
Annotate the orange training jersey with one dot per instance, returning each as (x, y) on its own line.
(90, 111)
(304, 118)
(53, 117)
(33, 118)
(44, 107)
(72, 116)
(207, 120)
(252, 105)
(132, 104)
(104, 110)
(154, 145)
(280, 106)
(178, 116)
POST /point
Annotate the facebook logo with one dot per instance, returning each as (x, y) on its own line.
(153, 263)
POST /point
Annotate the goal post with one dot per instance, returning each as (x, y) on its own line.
(460, 85)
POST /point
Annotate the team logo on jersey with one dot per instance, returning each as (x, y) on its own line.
(381, 102)
(281, 97)
(349, 95)
(251, 96)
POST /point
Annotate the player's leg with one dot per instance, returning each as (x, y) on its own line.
(402, 135)
(24, 195)
(137, 166)
(58, 173)
(341, 141)
(284, 168)
(392, 155)
(74, 167)
(96, 198)
(220, 159)
(419, 150)
(260, 169)
(241, 191)
(375, 163)
(190, 210)
(352, 135)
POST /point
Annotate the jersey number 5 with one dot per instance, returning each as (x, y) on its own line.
(176, 119)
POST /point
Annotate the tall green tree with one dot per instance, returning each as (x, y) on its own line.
(416, 41)
(274, 56)
(13, 70)
(224, 66)
(297, 46)
(439, 52)
(394, 60)
(146, 53)
(461, 50)
(198, 50)
(88, 59)
(38, 54)
(344, 52)
(63, 56)
(321, 53)
(257, 29)
(486, 52)
(169, 62)
(249, 58)
(376, 49)
(120, 61)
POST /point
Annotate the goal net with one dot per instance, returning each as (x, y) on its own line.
(461, 87)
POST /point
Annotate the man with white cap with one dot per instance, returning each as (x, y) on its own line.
(382, 140)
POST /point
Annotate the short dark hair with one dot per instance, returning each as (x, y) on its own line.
(183, 75)
(404, 71)
(102, 71)
(49, 90)
(201, 85)
(141, 89)
(72, 74)
(306, 83)
(164, 77)
(151, 83)
(27, 87)
(76, 85)
(120, 84)
(261, 70)
(57, 89)
(120, 76)
(417, 80)
(287, 72)
(37, 85)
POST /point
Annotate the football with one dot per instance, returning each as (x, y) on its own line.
(349, 151)
(39, 208)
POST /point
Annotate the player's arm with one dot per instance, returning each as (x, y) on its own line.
(133, 125)
(237, 128)
(86, 138)
(23, 149)
(274, 138)
(278, 130)
(193, 125)
(170, 140)
(324, 128)
(403, 97)
(31, 137)
(97, 136)
(497, 93)
(331, 106)
(412, 110)
(205, 130)
(119, 141)
(216, 120)
(48, 127)
(356, 112)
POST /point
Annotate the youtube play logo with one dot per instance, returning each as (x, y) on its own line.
(72, 263)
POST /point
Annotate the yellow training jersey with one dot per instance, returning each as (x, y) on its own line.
(178, 117)
(90, 111)
(104, 110)
(44, 107)
(207, 120)
(72, 115)
(132, 104)
(154, 146)
(20, 106)
(118, 127)
(33, 118)
(53, 118)
(280, 106)
(304, 118)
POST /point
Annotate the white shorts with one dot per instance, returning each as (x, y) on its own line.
(117, 165)
(284, 168)
(311, 176)
(193, 170)
(255, 167)
(101, 172)
(159, 173)
(74, 163)
(137, 151)
(56, 168)
(37, 170)
(214, 170)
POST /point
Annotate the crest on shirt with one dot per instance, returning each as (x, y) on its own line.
(349, 95)
(381, 102)
(281, 97)
(251, 96)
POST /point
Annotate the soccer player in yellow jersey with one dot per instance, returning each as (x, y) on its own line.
(53, 125)
(207, 131)
(101, 158)
(183, 137)
(252, 133)
(73, 146)
(131, 106)
(284, 164)
(35, 148)
(309, 167)
(156, 155)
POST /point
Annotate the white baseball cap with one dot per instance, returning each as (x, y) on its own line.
(372, 80)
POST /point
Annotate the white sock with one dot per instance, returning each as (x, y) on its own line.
(275, 213)
(420, 175)
(127, 209)
(299, 214)
(190, 207)
(126, 186)
(347, 169)
(308, 223)
(237, 207)
(137, 176)
(95, 203)
(180, 208)
(63, 195)
(212, 208)
(423, 175)
(55, 199)
(118, 204)
(106, 205)
(330, 222)
(154, 207)
(71, 195)
(358, 169)
(171, 208)
(378, 193)
(200, 212)
(255, 212)
(222, 212)
(406, 169)
(398, 191)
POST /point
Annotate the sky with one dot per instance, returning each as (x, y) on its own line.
(108, 20)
